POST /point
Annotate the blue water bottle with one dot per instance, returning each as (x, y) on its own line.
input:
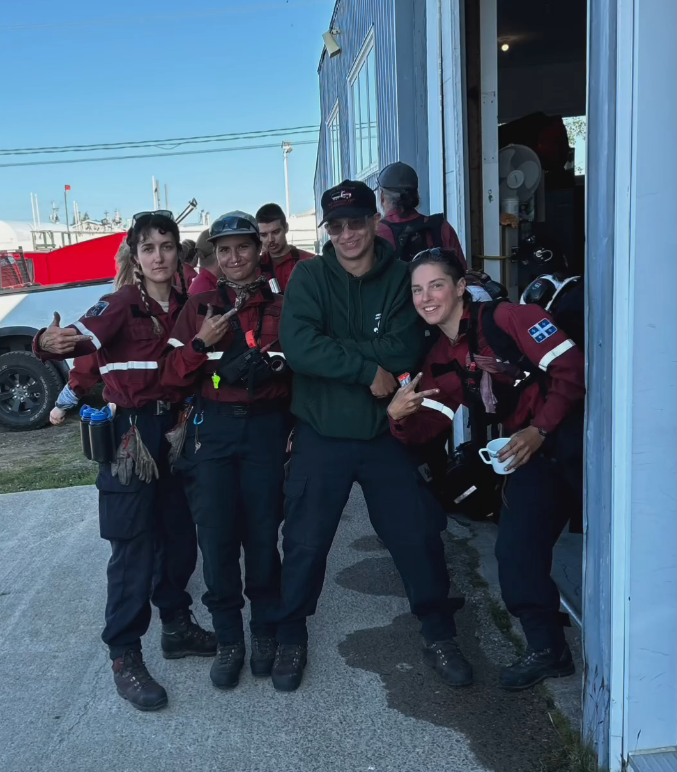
(85, 414)
(102, 436)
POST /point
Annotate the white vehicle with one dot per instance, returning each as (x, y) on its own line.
(29, 387)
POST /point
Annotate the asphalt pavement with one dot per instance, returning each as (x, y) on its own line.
(366, 703)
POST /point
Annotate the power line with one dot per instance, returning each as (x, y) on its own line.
(150, 155)
(113, 21)
(260, 134)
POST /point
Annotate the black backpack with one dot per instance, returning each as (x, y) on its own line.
(414, 236)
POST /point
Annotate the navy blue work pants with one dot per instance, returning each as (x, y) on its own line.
(152, 538)
(234, 486)
(403, 512)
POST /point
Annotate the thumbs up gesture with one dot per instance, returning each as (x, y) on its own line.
(56, 340)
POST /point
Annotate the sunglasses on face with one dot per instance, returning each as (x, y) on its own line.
(354, 224)
(147, 215)
(227, 225)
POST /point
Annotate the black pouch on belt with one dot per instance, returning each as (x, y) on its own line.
(245, 366)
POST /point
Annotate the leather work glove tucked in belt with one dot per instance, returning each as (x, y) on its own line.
(133, 455)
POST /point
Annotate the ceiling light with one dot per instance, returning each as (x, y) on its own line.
(505, 47)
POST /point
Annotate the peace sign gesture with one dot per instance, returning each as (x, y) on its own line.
(407, 401)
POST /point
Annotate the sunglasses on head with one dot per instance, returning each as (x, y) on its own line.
(336, 227)
(227, 225)
(147, 215)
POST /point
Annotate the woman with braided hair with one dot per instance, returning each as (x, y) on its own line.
(143, 511)
(234, 453)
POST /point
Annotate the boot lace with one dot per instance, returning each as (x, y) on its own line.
(263, 647)
(188, 620)
(226, 655)
(288, 655)
(137, 670)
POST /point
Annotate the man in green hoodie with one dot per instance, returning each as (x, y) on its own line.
(348, 330)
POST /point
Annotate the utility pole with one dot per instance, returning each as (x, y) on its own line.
(66, 188)
(167, 197)
(286, 149)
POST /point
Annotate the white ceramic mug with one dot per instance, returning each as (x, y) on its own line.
(490, 455)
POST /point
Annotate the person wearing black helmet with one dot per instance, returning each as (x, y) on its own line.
(143, 511)
(480, 361)
(349, 330)
(234, 451)
(402, 225)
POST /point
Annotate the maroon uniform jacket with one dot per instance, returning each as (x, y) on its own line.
(449, 237)
(537, 336)
(185, 367)
(84, 375)
(126, 346)
(283, 269)
(205, 281)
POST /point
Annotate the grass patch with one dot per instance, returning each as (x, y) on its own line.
(503, 622)
(56, 468)
(571, 754)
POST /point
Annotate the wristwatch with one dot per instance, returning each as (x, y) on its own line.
(542, 432)
(199, 346)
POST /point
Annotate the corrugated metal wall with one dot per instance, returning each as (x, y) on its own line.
(355, 19)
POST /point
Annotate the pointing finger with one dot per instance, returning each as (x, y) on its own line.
(210, 311)
(428, 393)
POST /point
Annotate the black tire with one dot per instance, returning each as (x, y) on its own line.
(28, 391)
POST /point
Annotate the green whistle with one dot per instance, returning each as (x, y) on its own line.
(216, 380)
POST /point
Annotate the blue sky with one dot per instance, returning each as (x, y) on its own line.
(80, 73)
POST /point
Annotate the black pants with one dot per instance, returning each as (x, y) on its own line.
(234, 486)
(404, 514)
(152, 537)
(541, 498)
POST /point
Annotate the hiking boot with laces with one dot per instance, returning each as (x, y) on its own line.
(290, 661)
(447, 659)
(536, 666)
(225, 670)
(262, 656)
(183, 637)
(136, 685)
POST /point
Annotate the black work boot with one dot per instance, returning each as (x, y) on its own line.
(225, 670)
(447, 659)
(183, 637)
(135, 684)
(290, 661)
(536, 666)
(262, 656)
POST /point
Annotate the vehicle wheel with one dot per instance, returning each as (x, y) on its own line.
(28, 391)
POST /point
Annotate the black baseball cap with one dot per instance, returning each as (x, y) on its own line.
(398, 176)
(349, 199)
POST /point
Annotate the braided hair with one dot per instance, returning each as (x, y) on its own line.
(135, 235)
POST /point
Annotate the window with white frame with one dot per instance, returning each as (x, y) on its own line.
(334, 141)
(362, 80)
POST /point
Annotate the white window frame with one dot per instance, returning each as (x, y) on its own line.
(367, 47)
(334, 119)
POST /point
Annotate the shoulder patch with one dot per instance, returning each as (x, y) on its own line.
(543, 330)
(97, 309)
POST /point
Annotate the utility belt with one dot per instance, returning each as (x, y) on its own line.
(154, 408)
(245, 409)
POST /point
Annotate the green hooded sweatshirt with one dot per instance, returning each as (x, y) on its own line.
(336, 329)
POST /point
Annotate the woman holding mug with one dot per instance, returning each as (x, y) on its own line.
(480, 361)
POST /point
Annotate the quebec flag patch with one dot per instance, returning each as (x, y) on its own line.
(543, 330)
(97, 309)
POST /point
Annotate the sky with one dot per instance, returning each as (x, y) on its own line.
(79, 72)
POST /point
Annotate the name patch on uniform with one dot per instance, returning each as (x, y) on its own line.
(98, 309)
(543, 330)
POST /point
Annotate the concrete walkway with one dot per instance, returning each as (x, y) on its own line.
(367, 702)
